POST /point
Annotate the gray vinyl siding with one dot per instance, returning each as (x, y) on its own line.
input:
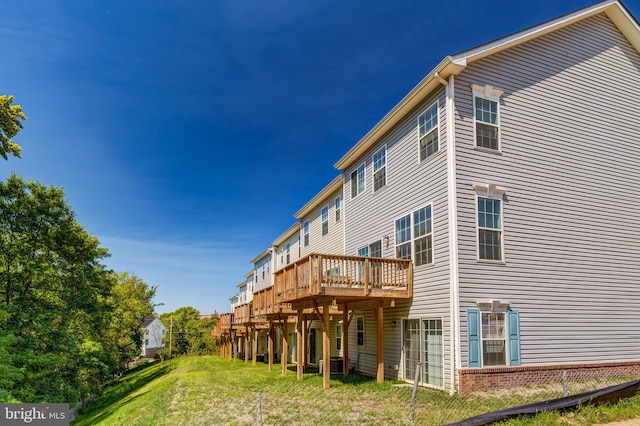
(263, 273)
(569, 164)
(370, 216)
(294, 251)
(333, 242)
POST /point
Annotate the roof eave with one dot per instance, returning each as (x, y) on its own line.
(418, 94)
(320, 198)
(613, 8)
(293, 229)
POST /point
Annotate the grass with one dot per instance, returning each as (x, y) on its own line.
(215, 391)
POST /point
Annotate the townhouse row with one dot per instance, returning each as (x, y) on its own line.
(484, 231)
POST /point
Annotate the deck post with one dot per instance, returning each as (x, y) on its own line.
(271, 339)
(284, 358)
(254, 344)
(246, 345)
(326, 370)
(300, 366)
(380, 326)
(345, 339)
(234, 349)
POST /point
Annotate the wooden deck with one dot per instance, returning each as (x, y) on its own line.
(319, 278)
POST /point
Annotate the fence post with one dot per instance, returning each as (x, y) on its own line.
(258, 410)
(415, 391)
(565, 384)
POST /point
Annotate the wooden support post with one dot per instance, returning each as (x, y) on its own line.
(254, 344)
(284, 358)
(379, 318)
(326, 370)
(235, 347)
(345, 340)
(246, 345)
(271, 339)
(305, 342)
(300, 366)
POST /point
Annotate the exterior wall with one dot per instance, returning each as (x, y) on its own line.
(263, 270)
(333, 242)
(481, 379)
(370, 216)
(294, 251)
(569, 164)
(153, 338)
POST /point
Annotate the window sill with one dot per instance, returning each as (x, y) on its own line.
(491, 262)
(487, 150)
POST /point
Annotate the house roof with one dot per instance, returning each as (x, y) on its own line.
(293, 229)
(147, 321)
(261, 256)
(453, 65)
(320, 198)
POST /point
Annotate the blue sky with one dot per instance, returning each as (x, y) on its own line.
(187, 134)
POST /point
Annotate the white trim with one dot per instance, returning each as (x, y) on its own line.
(323, 221)
(364, 334)
(364, 173)
(373, 169)
(454, 275)
(489, 190)
(436, 128)
(502, 253)
(489, 93)
(413, 237)
(421, 320)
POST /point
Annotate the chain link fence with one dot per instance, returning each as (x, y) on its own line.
(358, 400)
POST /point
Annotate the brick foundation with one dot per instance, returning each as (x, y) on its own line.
(492, 378)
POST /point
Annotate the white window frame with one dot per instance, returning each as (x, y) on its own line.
(379, 162)
(360, 180)
(339, 338)
(491, 192)
(428, 131)
(288, 250)
(412, 236)
(504, 339)
(360, 332)
(305, 232)
(488, 93)
(421, 321)
(338, 207)
(325, 220)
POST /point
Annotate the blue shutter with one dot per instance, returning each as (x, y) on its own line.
(473, 335)
(513, 321)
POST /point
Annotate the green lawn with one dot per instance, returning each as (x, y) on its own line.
(214, 391)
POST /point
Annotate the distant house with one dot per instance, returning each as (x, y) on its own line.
(153, 332)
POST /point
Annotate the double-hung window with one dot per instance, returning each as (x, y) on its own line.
(489, 228)
(288, 253)
(360, 331)
(338, 204)
(428, 131)
(305, 232)
(487, 116)
(380, 168)
(493, 337)
(325, 220)
(357, 181)
(414, 236)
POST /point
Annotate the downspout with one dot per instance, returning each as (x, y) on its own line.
(454, 319)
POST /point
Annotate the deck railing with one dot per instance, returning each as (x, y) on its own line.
(326, 274)
(242, 314)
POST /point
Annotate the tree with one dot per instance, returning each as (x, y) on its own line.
(53, 293)
(190, 334)
(132, 302)
(10, 125)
